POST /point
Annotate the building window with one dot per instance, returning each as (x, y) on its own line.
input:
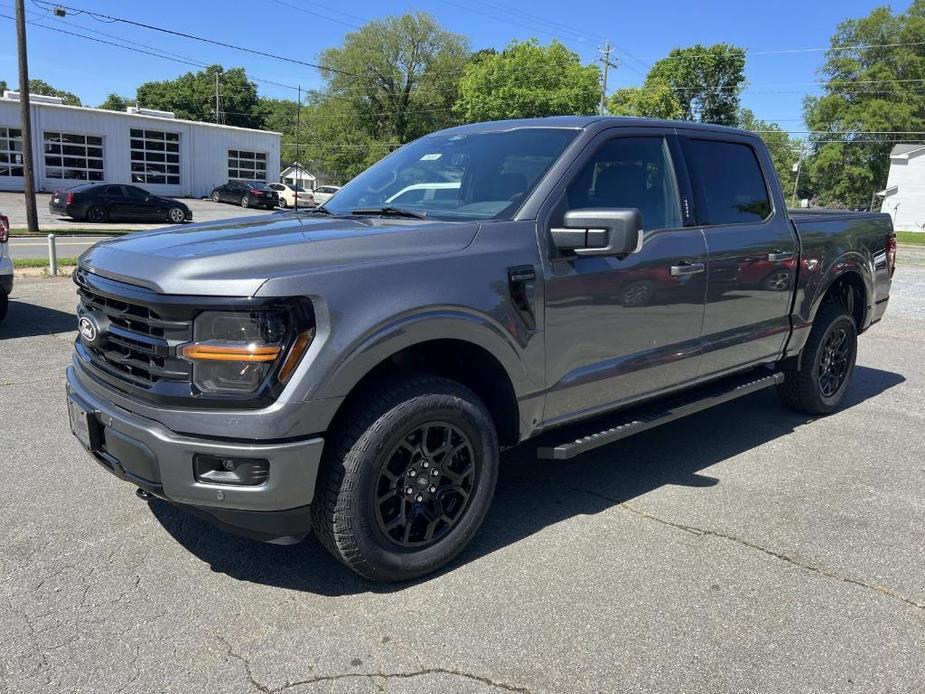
(10, 152)
(247, 166)
(70, 156)
(155, 157)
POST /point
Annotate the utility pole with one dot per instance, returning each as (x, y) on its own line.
(797, 169)
(32, 216)
(298, 159)
(605, 61)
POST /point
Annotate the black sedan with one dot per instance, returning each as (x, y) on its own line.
(101, 202)
(246, 194)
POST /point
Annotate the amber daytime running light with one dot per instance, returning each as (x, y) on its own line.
(223, 351)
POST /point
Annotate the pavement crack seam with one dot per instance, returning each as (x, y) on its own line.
(806, 566)
(404, 675)
(371, 676)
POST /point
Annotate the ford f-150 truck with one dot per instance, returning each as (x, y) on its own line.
(356, 369)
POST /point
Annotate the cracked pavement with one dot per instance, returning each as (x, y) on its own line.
(744, 548)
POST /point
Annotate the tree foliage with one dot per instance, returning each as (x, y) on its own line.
(396, 76)
(875, 89)
(192, 96)
(527, 80)
(43, 88)
(115, 102)
(699, 83)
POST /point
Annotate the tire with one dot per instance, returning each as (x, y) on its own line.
(283, 203)
(362, 506)
(827, 362)
(216, 197)
(245, 201)
(4, 304)
(97, 214)
(176, 215)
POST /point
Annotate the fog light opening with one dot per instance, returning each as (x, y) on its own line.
(242, 472)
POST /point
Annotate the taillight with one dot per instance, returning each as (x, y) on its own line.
(258, 192)
(890, 248)
(69, 199)
(4, 228)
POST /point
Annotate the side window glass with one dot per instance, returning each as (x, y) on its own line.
(630, 172)
(731, 188)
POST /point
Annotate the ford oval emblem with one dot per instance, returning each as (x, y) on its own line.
(88, 329)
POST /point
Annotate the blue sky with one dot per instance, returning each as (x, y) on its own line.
(642, 32)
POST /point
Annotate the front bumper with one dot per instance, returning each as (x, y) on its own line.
(160, 461)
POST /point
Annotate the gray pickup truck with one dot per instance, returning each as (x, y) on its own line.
(355, 370)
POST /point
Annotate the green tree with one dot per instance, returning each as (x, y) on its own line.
(528, 80)
(657, 99)
(784, 150)
(699, 83)
(396, 76)
(284, 116)
(114, 102)
(43, 88)
(339, 143)
(867, 90)
(192, 96)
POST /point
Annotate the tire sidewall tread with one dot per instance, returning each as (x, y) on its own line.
(342, 519)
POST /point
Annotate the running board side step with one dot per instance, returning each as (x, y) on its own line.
(637, 419)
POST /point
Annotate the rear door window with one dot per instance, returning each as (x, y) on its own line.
(728, 182)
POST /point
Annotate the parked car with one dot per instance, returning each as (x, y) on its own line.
(323, 193)
(292, 196)
(101, 202)
(358, 372)
(6, 266)
(246, 194)
(425, 192)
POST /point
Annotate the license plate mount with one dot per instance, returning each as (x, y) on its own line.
(84, 424)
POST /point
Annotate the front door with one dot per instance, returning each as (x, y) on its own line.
(752, 252)
(621, 328)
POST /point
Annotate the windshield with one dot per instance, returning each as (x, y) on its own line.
(457, 177)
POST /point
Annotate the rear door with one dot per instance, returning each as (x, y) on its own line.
(139, 203)
(114, 199)
(622, 328)
(752, 250)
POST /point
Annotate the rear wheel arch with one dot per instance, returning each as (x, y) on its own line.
(849, 290)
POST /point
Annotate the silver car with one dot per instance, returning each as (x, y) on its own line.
(6, 265)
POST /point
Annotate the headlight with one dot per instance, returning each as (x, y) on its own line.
(238, 353)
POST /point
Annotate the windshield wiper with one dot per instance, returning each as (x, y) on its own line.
(388, 210)
(315, 210)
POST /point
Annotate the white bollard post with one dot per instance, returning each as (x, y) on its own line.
(52, 256)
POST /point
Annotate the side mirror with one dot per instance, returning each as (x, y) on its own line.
(599, 231)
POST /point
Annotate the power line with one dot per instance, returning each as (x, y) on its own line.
(110, 19)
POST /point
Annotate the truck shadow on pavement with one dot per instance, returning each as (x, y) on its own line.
(30, 320)
(534, 494)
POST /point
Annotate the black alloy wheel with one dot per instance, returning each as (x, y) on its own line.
(97, 214)
(425, 484)
(835, 361)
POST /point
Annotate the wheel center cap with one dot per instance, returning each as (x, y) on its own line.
(422, 482)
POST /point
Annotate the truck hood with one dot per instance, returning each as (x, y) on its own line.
(235, 257)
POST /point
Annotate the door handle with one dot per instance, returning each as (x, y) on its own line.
(686, 269)
(777, 256)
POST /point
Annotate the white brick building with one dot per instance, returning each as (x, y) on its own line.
(163, 154)
(904, 196)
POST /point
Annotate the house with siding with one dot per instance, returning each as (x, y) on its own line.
(904, 195)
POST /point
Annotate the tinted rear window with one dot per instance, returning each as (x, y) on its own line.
(729, 181)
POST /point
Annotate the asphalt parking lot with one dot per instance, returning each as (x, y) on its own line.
(14, 206)
(746, 548)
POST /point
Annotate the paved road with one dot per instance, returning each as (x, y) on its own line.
(67, 246)
(742, 549)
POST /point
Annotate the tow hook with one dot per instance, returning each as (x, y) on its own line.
(144, 495)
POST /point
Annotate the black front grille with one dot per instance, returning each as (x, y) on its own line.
(136, 343)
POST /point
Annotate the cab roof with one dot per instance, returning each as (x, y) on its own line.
(586, 123)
